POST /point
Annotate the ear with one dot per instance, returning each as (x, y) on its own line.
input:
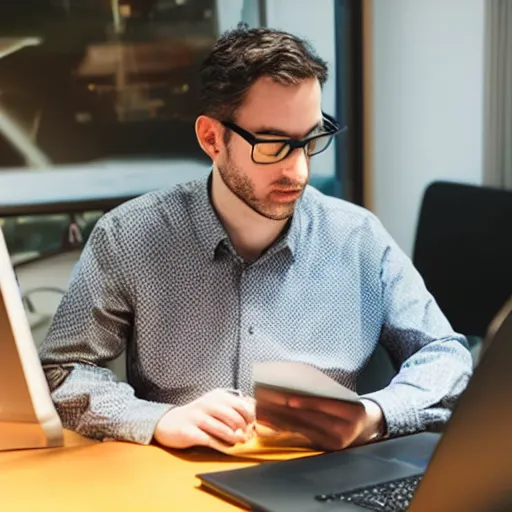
(209, 135)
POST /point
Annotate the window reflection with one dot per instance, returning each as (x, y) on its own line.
(29, 237)
(109, 79)
(92, 80)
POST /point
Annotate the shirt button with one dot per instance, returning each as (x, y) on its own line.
(251, 330)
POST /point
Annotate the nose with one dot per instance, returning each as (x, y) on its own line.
(296, 166)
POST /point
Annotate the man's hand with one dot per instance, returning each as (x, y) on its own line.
(328, 424)
(216, 418)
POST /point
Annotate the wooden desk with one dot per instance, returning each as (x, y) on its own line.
(86, 475)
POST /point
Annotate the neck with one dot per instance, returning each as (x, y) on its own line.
(249, 232)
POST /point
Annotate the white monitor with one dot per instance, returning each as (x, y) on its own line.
(28, 418)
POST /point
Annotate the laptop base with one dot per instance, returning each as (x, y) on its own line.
(283, 485)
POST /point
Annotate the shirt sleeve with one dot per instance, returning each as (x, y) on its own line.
(435, 362)
(91, 328)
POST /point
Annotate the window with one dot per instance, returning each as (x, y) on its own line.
(84, 82)
(105, 80)
(30, 237)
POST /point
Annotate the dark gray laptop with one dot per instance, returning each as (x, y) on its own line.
(468, 468)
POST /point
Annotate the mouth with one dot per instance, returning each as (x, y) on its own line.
(285, 195)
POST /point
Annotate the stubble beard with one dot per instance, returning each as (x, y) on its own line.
(242, 187)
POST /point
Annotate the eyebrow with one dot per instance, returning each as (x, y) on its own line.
(280, 133)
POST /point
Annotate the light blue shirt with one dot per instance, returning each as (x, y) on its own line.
(160, 280)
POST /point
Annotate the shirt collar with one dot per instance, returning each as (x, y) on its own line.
(208, 227)
(290, 239)
(210, 231)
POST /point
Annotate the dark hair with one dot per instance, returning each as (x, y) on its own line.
(243, 55)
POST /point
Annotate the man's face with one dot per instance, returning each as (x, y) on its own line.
(271, 110)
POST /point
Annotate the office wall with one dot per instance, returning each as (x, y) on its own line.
(305, 19)
(428, 78)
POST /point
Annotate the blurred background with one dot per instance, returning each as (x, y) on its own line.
(98, 100)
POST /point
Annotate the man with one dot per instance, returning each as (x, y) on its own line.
(199, 282)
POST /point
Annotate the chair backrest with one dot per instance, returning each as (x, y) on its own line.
(378, 372)
(463, 251)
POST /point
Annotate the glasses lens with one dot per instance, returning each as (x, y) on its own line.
(318, 145)
(269, 152)
(275, 151)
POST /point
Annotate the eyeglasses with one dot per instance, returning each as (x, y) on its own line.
(271, 149)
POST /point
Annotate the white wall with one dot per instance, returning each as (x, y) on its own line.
(304, 18)
(428, 103)
(229, 14)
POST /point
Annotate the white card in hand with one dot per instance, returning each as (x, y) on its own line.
(301, 379)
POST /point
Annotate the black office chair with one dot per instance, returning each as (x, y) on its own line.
(378, 372)
(463, 250)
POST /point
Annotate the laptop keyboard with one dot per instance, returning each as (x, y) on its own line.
(395, 496)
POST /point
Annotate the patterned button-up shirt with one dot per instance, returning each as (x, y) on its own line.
(160, 280)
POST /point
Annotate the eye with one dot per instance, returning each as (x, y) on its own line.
(270, 152)
(318, 145)
(270, 148)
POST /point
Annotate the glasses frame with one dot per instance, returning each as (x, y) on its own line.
(331, 125)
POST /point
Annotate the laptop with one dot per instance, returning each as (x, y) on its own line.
(466, 468)
(28, 418)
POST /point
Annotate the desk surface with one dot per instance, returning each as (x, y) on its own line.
(86, 475)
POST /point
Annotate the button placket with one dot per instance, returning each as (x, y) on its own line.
(248, 326)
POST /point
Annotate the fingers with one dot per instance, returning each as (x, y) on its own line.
(349, 411)
(198, 437)
(220, 430)
(213, 419)
(324, 431)
(285, 418)
(243, 406)
(235, 412)
(230, 416)
(274, 396)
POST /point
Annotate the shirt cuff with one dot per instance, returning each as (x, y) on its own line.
(399, 417)
(139, 421)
